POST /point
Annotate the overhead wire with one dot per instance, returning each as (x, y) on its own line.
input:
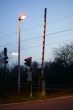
(58, 32)
(55, 20)
(45, 44)
(37, 37)
(36, 46)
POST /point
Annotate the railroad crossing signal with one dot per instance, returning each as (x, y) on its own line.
(28, 61)
(5, 56)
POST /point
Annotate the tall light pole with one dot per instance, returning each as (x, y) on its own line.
(20, 18)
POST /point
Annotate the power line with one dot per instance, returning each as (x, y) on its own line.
(40, 45)
(58, 32)
(59, 19)
(55, 20)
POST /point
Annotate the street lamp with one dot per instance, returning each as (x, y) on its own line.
(20, 18)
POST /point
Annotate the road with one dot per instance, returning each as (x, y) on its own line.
(63, 103)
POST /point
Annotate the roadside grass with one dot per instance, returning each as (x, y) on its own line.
(8, 98)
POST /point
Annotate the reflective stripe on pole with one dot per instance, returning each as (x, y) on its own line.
(43, 50)
(43, 45)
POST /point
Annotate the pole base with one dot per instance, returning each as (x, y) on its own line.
(43, 93)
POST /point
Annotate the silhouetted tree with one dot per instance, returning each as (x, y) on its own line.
(64, 55)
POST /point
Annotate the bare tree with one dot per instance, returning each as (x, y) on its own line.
(64, 55)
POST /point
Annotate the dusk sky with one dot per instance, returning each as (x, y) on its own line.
(59, 27)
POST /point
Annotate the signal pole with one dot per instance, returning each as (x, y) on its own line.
(28, 62)
(5, 58)
(43, 50)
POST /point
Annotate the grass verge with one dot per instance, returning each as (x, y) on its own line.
(21, 98)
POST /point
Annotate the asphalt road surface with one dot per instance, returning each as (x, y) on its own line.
(63, 103)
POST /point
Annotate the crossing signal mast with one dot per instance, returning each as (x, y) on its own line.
(28, 62)
(5, 58)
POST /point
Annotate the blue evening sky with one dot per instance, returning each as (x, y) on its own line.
(59, 18)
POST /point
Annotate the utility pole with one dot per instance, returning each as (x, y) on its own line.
(43, 50)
